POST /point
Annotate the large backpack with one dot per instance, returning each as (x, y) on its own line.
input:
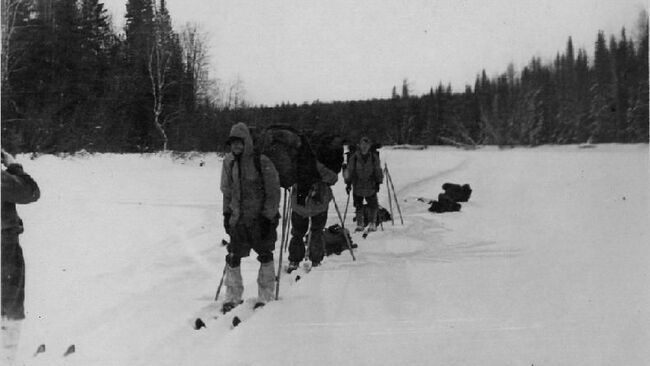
(332, 158)
(291, 154)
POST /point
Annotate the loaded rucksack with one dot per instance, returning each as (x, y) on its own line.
(291, 154)
(331, 157)
(281, 145)
(334, 239)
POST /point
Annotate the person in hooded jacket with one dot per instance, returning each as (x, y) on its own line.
(363, 176)
(17, 188)
(251, 198)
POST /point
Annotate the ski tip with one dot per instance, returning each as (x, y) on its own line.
(235, 321)
(198, 324)
(70, 350)
(40, 349)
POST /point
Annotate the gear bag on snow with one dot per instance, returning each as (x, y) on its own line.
(444, 204)
(334, 239)
(457, 192)
(382, 214)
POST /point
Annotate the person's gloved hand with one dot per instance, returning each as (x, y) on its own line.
(348, 188)
(226, 222)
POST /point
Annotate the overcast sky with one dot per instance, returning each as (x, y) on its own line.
(304, 50)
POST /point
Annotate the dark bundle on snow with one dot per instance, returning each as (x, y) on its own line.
(444, 204)
(334, 239)
(448, 201)
(456, 192)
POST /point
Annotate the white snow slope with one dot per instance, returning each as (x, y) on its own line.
(547, 264)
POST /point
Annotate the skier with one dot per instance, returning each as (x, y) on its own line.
(17, 188)
(251, 197)
(363, 177)
(314, 207)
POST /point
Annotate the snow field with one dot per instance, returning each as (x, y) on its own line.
(545, 265)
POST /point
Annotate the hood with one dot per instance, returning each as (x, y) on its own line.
(240, 130)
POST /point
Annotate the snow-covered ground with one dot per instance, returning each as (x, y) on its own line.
(547, 264)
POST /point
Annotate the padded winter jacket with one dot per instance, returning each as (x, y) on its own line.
(17, 188)
(364, 173)
(319, 202)
(247, 192)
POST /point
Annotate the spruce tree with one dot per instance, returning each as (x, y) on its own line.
(603, 109)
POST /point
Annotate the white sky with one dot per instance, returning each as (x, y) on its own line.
(304, 50)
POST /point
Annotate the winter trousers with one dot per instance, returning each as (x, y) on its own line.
(244, 237)
(373, 205)
(13, 277)
(235, 285)
(299, 228)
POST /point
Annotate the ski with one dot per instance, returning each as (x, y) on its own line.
(246, 310)
(72, 349)
(238, 314)
(42, 348)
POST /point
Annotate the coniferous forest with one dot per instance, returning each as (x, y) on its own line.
(70, 81)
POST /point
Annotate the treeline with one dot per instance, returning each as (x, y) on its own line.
(71, 82)
(572, 99)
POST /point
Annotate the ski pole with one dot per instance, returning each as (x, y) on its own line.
(338, 212)
(390, 202)
(289, 214)
(220, 282)
(284, 227)
(306, 260)
(390, 179)
(345, 214)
